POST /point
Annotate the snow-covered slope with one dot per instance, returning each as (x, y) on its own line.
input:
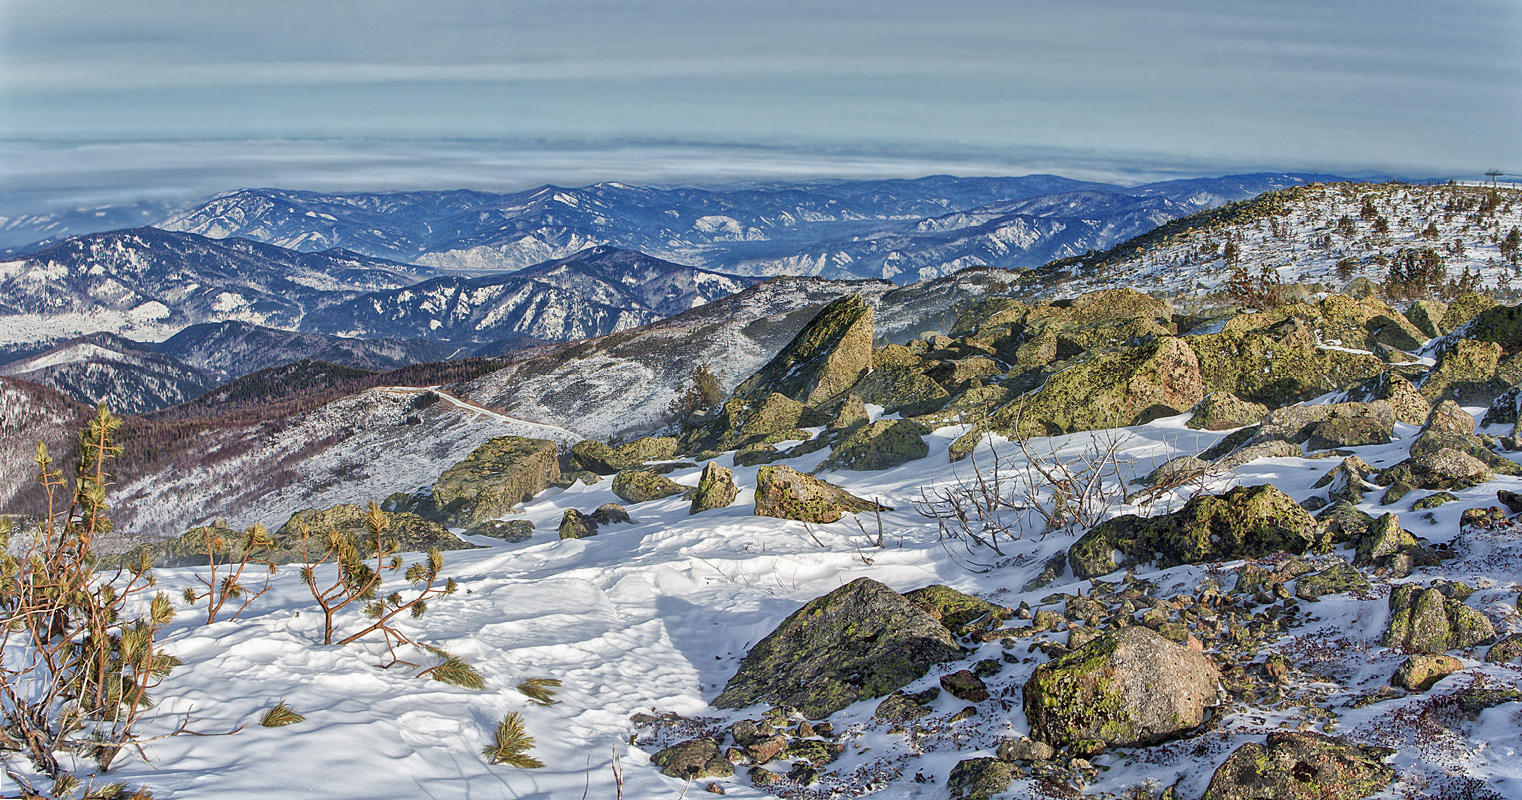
(30, 413)
(1324, 233)
(147, 283)
(230, 349)
(596, 291)
(129, 377)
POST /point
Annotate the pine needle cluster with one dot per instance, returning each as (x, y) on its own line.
(511, 744)
(540, 691)
(279, 716)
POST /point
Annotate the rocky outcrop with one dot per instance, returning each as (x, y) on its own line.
(494, 478)
(508, 530)
(716, 489)
(858, 642)
(1222, 411)
(785, 493)
(823, 360)
(693, 759)
(1330, 425)
(1127, 687)
(880, 445)
(1465, 371)
(407, 531)
(1277, 371)
(1245, 522)
(1448, 417)
(1301, 766)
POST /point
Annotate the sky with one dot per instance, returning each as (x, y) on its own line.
(161, 96)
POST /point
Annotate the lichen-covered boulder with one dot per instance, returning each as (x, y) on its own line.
(1128, 387)
(823, 360)
(508, 530)
(852, 413)
(1444, 468)
(961, 613)
(716, 489)
(1385, 543)
(1420, 671)
(1505, 651)
(1427, 316)
(1349, 481)
(1330, 424)
(1244, 522)
(1471, 306)
(1428, 621)
(1448, 417)
(602, 459)
(576, 525)
(1127, 687)
(407, 531)
(905, 388)
(880, 445)
(693, 759)
(859, 642)
(1407, 401)
(772, 415)
(1222, 411)
(1277, 371)
(610, 514)
(1301, 766)
(1465, 371)
(642, 486)
(981, 778)
(785, 493)
(494, 478)
(1339, 578)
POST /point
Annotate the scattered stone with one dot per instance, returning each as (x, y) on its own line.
(1024, 749)
(1419, 672)
(1348, 481)
(1301, 766)
(1127, 687)
(964, 685)
(693, 759)
(980, 778)
(642, 486)
(576, 525)
(1446, 469)
(1340, 578)
(760, 742)
(858, 642)
(785, 493)
(1221, 411)
(1511, 500)
(610, 514)
(494, 478)
(1505, 651)
(899, 707)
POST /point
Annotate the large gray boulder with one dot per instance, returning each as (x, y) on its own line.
(1127, 687)
(786, 493)
(859, 642)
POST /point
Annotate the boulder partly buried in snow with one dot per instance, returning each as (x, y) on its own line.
(880, 445)
(1127, 687)
(494, 478)
(716, 489)
(785, 493)
(859, 642)
(642, 486)
(407, 531)
(1301, 766)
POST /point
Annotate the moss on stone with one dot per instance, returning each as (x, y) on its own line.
(494, 478)
(880, 445)
(640, 486)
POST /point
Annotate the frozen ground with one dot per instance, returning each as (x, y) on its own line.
(655, 615)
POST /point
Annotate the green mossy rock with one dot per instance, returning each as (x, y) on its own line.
(962, 614)
(831, 352)
(1330, 425)
(1223, 411)
(641, 486)
(497, 476)
(1340, 578)
(1127, 687)
(901, 388)
(1444, 468)
(693, 759)
(604, 460)
(508, 530)
(981, 778)
(899, 707)
(1277, 372)
(1506, 651)
(880, 445)
(716, 489)
(1465, 371)
(1338, 320)
(576, 525)
(1130, 387)
(1301, 766)
(1427, 621)
(852, 414)
(859, 642)
(1419, 672)
(1448, 417)
(1467, 307)
(189, 549)
(1427, 316)
(1348, 482)
(1244, 522)
(409, 532)
(785, 493)
(1403, 396)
